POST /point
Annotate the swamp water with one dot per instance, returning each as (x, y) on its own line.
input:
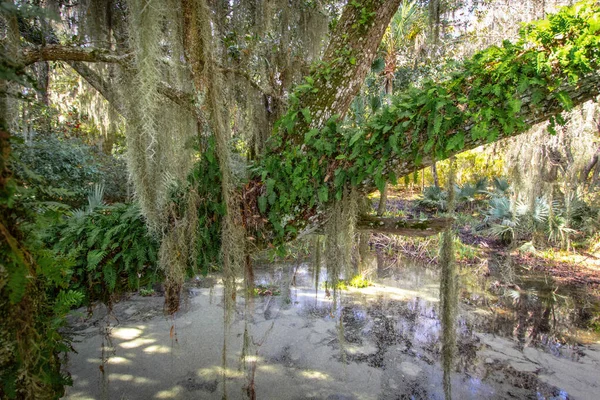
(516, 337)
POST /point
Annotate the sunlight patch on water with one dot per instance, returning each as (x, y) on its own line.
(130, 378)
(126, 333)
(118, 360)
(315, 375)
(175, 392)
(395, 293)
(217, 370)
(132, 344)
(157, 349)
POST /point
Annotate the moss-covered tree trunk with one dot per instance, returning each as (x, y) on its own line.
(352, 48)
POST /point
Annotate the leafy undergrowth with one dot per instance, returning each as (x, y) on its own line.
(111, 249)
(357, 282)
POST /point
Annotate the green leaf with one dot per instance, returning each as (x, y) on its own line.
(392, 178)
(270, 185)
(262, 204)
(310, 134)
(306, 113)
(289, 121)
(380, 182)
(428, 145)
(356, 136)
(378, 65)
(456, 142)
(110, 277)
(564, 99)
(394, 143)
(323, 194)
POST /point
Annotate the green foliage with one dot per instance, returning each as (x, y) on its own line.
(111, 250)
(35, 297)
(206, 177)
(555, 220)
(63, 170)
(357, 282)
(433, 198)
(146, 292)
(486, 96)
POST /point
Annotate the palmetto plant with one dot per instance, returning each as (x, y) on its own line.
(95, 199)
(433, 197)
(551, 218)
(501, 188)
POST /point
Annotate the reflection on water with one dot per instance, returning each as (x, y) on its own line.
(517, 336)
(427, 349)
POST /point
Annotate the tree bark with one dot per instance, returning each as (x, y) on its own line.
(348, 58)
(57, 52)
(436, 180)
(590, 166)
(100, 84)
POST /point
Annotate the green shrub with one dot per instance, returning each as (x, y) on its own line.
(111, 248)
(51, 168)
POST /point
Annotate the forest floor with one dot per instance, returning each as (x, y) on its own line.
(575, 268)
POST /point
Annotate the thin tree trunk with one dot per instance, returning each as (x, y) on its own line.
(590, 166)
(436, 181)
(381, 209)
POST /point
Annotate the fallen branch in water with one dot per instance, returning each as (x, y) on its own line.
(402, 226)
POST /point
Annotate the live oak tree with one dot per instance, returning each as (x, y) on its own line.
(182, 72)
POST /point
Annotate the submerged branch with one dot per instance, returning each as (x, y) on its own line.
(402, 226)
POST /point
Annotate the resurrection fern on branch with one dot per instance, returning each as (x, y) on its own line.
(494, 95)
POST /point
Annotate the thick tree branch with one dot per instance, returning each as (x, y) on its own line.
(183, 99)
(348, 58)
(57, 52)
(586, 89)
(501, 92)
(590, 166)
(97, 82)
(267, 91)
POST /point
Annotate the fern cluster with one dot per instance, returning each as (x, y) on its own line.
(111, 250)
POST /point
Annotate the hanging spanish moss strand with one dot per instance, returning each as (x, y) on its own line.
(233, 237)
(232, 234)
(448, 291)
(142, 129)
(340, 239)
(317, 248)
(158, 139)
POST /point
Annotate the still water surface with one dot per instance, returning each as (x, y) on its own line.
(517, 336)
